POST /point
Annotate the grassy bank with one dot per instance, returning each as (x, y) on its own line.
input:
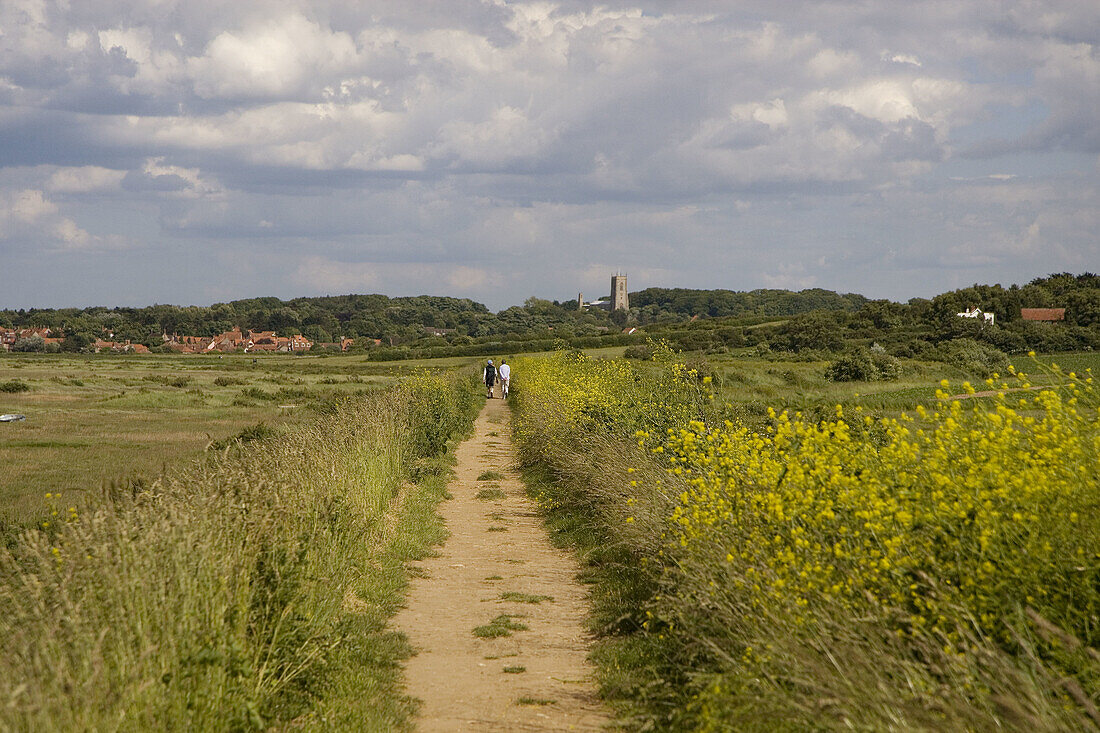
(925, 568)
(247, 593)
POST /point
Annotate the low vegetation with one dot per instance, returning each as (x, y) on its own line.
(94, 421)
(515, 597)
(246, 593)
(921, 562)
(502, 625)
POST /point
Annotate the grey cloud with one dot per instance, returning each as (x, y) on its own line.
(141, 181)
(694, 139)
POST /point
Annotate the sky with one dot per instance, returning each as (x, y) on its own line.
(193, 151)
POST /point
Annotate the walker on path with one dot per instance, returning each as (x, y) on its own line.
(505, 374)
(490, 376)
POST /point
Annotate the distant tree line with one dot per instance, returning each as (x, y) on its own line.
(394, 321)
(413, 322)
(779, 321)
(921, 328)
(654, 305)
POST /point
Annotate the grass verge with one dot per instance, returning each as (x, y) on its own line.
(248, 593)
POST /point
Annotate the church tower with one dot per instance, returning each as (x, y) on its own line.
(619, 297)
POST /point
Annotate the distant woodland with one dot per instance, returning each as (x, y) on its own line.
(775, 321)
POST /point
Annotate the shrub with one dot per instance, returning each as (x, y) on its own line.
(639, 351)
(14, 385)
(972, 356)
(854, 367)
(255, 393)
(864, 366)
(169, 380)
(32, 344)
(887, 367)
(259, 431)
(699, 368)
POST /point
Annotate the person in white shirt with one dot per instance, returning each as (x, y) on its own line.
(505, 372)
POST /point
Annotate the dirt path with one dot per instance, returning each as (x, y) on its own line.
(498, 564)
(991, 392)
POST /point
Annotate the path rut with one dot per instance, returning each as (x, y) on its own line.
(497, 560)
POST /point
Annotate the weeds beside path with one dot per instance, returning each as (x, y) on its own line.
(497, 617)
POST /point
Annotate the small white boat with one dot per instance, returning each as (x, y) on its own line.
(12, 417)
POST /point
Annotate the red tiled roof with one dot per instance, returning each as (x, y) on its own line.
(1043, 314)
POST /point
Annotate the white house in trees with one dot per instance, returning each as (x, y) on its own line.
(977, 313)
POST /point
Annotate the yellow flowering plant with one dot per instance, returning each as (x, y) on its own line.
(967, 528)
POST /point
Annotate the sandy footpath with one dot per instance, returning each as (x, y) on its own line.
(497, 560)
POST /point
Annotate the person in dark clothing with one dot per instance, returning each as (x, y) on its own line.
(490, 375)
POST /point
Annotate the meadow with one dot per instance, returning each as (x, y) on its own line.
(773, 551)
(96, 421)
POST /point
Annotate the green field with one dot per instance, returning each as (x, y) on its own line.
(94, 421)
(752, 384)
(97, 420)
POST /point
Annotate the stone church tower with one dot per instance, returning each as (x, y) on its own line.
(619, 297)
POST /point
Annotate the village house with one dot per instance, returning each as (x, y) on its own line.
(262, 341)
(1043, 315)
(237, 340)
(8, 336)
(228, 341)
(976, 312)
(119, 347)
(342, 345)
(298, 342)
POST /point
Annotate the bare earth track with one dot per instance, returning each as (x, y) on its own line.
(498, 562)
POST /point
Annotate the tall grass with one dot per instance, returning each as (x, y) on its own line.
(231, 597)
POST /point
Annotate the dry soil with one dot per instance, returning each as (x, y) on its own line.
(498, 561)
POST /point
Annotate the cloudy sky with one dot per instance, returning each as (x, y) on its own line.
(193, 151)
